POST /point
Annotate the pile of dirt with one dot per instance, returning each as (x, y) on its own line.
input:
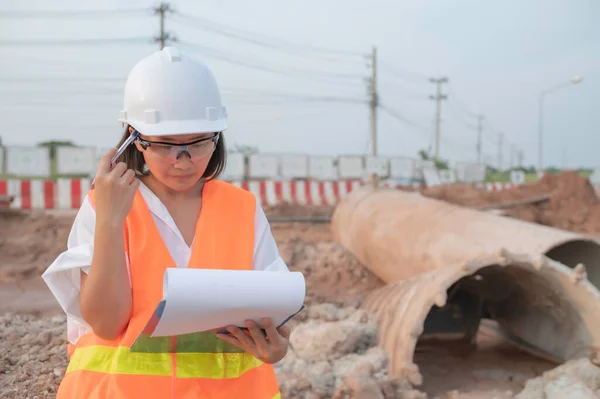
(334, 354)
(30, 241)
(572, 206)
(33, 356)
(332, 273)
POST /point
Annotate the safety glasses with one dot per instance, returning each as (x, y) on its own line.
(170, 152)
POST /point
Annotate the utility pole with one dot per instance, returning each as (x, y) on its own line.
(373, 104)
(438, 111)
(513, 156)
(479, 132)
(161, 11)
(520, 159)
(500, 139)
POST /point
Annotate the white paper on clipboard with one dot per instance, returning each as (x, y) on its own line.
(196, 300)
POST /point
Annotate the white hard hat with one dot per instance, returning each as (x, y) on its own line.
(170, 93)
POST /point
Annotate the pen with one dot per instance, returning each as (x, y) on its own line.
(132, 137)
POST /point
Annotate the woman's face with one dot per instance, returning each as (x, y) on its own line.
(179, 168)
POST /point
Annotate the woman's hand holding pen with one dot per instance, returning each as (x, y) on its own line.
(114, 189)
(269, 349)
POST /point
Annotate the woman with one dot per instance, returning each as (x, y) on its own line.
(160, 206)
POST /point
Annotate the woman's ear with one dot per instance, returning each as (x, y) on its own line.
(130, 130)
(138, 146)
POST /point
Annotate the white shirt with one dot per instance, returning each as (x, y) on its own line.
(63, 275)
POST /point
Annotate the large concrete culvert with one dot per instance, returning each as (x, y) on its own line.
(399, 235)
(545, 307)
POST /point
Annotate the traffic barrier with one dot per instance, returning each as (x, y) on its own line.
(69, 193)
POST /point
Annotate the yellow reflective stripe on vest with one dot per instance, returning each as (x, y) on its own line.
(278, 396)
(121, 360)
(214, 365)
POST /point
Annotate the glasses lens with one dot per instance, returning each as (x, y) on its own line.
(201, 149)
(161, 150)
(196, 151)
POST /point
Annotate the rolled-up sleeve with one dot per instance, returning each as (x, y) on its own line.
(63, 276)
(266, 253)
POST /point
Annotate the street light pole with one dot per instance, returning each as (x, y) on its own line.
(574, 80)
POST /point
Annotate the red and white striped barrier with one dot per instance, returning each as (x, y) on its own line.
(496, 186)
(30, 194)
(69, 193)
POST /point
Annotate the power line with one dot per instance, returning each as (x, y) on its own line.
(404, 74)
(289, 71)
(53, 79)
(93, 92)
(398, 115)
(401, 92)
(188, 21)
(454, 98)
(76, 42)
(266, 41)
(125, 12)
(308, 97)
(321, 99)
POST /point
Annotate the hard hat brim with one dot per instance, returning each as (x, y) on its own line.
(171, 128)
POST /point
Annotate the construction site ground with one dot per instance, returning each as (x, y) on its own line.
(32, 326)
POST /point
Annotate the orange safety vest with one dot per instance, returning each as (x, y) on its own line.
(224, 239)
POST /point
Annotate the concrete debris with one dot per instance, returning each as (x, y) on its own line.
(576, 379)
(33, 356)
(334, 354)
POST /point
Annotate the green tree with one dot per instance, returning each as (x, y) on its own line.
(440, 164)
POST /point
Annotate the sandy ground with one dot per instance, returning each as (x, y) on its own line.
(32, 326)
(35, 329)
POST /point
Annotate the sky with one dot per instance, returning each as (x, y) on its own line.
(273, 60)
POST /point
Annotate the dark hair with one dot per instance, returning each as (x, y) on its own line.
(135, 160)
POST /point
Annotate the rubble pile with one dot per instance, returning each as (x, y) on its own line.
(576, 379)
(33, 355)
(334, 354)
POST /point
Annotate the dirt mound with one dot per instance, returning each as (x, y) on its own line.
(573, 204)
(332, 273)
(33, 356)
(30, 241)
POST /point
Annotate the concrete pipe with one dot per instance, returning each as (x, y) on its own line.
(545, 307)
(398, 235)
